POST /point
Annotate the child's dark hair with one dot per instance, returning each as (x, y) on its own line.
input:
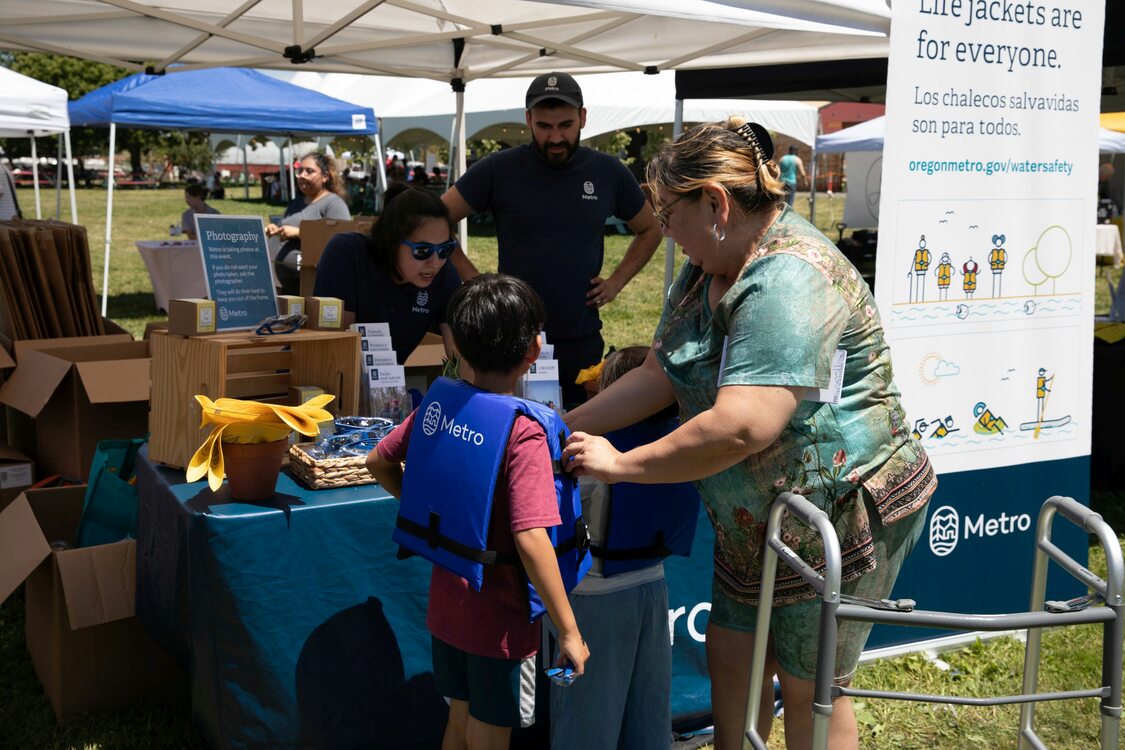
(404, 210)
(197, 190)
(495, 318)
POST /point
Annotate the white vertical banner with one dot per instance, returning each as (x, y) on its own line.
(985, 275)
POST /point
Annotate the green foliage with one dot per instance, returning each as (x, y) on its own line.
(191, 150)
(483, 147)
(616, 144)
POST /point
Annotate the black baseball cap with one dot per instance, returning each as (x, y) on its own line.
(554, 86)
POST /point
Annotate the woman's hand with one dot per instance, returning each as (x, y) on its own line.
(287, 232)
(591, 455)
(573, 651)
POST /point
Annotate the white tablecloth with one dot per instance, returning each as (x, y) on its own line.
(175, 268)
(1107, 242)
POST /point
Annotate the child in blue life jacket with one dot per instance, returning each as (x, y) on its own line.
(478, 498)
(624, 700)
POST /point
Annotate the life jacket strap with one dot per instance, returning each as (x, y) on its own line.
(654, 550)
(431, 535)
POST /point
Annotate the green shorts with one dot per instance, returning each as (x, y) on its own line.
(795, 627)
(500, 692)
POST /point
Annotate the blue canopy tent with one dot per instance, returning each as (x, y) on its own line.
(218, 100)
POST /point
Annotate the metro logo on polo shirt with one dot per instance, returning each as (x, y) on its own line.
(420, 302)
(588, 191)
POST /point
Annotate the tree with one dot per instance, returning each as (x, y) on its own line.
(78, 78)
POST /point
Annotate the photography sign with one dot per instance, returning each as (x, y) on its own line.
(238, 269)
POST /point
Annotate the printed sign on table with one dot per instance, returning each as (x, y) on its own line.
(237, 268)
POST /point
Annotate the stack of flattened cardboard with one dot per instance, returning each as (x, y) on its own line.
(46, 288)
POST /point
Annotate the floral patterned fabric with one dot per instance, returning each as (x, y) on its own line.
(796, 302)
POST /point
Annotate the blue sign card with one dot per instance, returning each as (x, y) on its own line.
(237, 268)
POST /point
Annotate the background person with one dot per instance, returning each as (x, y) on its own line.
(322, 197)
(195, 196)
(550, 200)
(9, 207)
(792, 167)
(483, 643)
(383, 279)
(749, 327)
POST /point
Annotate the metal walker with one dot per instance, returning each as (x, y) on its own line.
(1041, 614)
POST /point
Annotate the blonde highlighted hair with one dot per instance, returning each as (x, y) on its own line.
(734, 154)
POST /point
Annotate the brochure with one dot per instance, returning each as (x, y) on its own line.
(387, 395)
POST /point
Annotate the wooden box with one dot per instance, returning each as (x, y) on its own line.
(241, 365)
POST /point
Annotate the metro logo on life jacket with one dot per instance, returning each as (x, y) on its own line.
(434, 421)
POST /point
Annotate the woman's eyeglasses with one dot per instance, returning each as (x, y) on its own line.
(423, 250)
(278, 324)
(662, 214)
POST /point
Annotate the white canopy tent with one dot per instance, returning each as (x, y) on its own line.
(31, 108)
(615, 101)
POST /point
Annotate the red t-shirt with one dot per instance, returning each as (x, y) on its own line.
(493, 621)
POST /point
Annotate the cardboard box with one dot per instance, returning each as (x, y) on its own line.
(429, 353)
(89, 650)
(17, 472)
(191, 317)
(79, 394)
(325, 313)
(290, 304)
(314, 238)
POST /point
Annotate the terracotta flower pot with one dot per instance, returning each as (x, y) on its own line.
(252, 468)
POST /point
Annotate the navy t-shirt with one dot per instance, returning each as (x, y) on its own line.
(347, 270)
(550, 224)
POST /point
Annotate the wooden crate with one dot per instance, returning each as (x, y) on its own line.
(241, 365)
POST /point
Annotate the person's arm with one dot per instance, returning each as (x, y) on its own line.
(538, 557)
(459, 209)
(387, 473)
(646, 238)
(637, 394)
(745, 420)
(801, 169)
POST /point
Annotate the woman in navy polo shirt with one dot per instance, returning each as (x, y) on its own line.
(398, 274)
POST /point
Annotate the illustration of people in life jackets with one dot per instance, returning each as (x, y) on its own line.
(919, 265)
(996, 260)
(969, 271)
(944, 273)
(944, 427)
(987, 423)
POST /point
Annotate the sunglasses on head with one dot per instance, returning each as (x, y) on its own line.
(423, 250)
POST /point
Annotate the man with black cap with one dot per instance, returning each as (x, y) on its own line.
(550, 200)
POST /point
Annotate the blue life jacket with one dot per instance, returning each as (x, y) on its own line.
(459, 439)
(646, 522)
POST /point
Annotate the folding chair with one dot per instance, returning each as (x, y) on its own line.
(1041, 614)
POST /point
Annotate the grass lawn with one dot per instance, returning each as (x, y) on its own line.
(1072, 657)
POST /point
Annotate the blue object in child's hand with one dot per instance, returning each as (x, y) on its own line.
(563, 676)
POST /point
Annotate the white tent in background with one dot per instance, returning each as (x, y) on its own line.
(31, 108)
(615, 101)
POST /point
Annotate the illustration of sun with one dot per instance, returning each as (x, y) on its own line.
(927, 367)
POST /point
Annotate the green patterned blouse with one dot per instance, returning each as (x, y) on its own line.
(797, 302)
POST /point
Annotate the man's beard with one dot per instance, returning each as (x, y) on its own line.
(556, 157)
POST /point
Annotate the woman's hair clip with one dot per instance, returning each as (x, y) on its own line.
(758, 138)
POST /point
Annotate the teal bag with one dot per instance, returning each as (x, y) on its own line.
(109, 513)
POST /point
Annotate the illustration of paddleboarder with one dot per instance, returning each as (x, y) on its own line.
(1043, 389)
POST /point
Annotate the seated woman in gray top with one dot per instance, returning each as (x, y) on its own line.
(321, 198)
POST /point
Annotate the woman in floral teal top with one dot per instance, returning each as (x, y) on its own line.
(761, 310)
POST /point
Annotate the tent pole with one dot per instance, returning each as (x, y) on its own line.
(669, 243)
(108, 216)
(459, 129)
(58, 180)
(35, 178)
(380, 171)
(70, 179)
(283, 184)
(245, 169)
(289, 163)
(812, 188)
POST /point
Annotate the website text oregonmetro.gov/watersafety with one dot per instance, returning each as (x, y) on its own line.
(990, 167)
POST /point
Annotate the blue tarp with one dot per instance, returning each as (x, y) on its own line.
(220, 100)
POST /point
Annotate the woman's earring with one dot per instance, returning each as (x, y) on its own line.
(719, 233)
